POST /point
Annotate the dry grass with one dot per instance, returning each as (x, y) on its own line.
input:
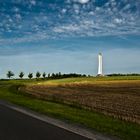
(120, 99)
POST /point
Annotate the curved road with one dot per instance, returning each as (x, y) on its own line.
(17, 126)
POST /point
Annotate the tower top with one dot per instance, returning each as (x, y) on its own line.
(100, 53)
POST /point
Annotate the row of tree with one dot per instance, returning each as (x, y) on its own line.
(21, 75)
(38, 75)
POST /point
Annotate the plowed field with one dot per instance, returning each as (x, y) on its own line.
(120, 99)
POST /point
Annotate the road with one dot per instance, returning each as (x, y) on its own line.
(17, 126)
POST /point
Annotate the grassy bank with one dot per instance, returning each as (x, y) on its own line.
(93, 120)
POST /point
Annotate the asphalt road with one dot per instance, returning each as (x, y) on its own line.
(17, 126)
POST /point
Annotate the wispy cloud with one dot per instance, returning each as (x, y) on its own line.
(32, 20)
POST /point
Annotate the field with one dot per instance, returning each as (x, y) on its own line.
(110, 105)
(117, 98)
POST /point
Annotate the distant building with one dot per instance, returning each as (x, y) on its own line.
(100, 65)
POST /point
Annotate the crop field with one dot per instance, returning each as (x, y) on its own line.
(89, 102)
(118, 97)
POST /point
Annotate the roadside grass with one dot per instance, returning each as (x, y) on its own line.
(91, 120)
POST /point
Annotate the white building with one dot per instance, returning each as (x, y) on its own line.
(100, 65)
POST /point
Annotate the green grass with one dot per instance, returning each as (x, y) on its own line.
(92, 120)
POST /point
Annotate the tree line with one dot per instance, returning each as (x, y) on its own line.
(38, 75)
(120, 74)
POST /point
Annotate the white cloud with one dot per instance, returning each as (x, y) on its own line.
(30, 37)
(98, 8)
(64, 10)
(33, 2)
(83, 1)
(72, 19)
(10, 20)
(118, 21)
(70, 28)
(127, 7)
(15, 9)
(18, 16)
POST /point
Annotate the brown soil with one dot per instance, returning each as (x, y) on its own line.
(118, 99)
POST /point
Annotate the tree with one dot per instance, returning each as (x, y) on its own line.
(10, 74)
(59, 74)
(21, 74)
(38, 74)
(49, 75)
(30, 75)
(44, 75)
(53, 75)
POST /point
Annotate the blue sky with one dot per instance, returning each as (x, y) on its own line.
(67, 35)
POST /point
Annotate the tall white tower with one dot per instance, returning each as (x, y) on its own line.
(100, 65)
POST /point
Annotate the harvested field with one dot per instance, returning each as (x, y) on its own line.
(120, 99)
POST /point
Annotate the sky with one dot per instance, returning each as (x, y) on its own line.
(67, 35)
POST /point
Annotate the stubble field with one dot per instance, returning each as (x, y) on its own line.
(117, 98)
